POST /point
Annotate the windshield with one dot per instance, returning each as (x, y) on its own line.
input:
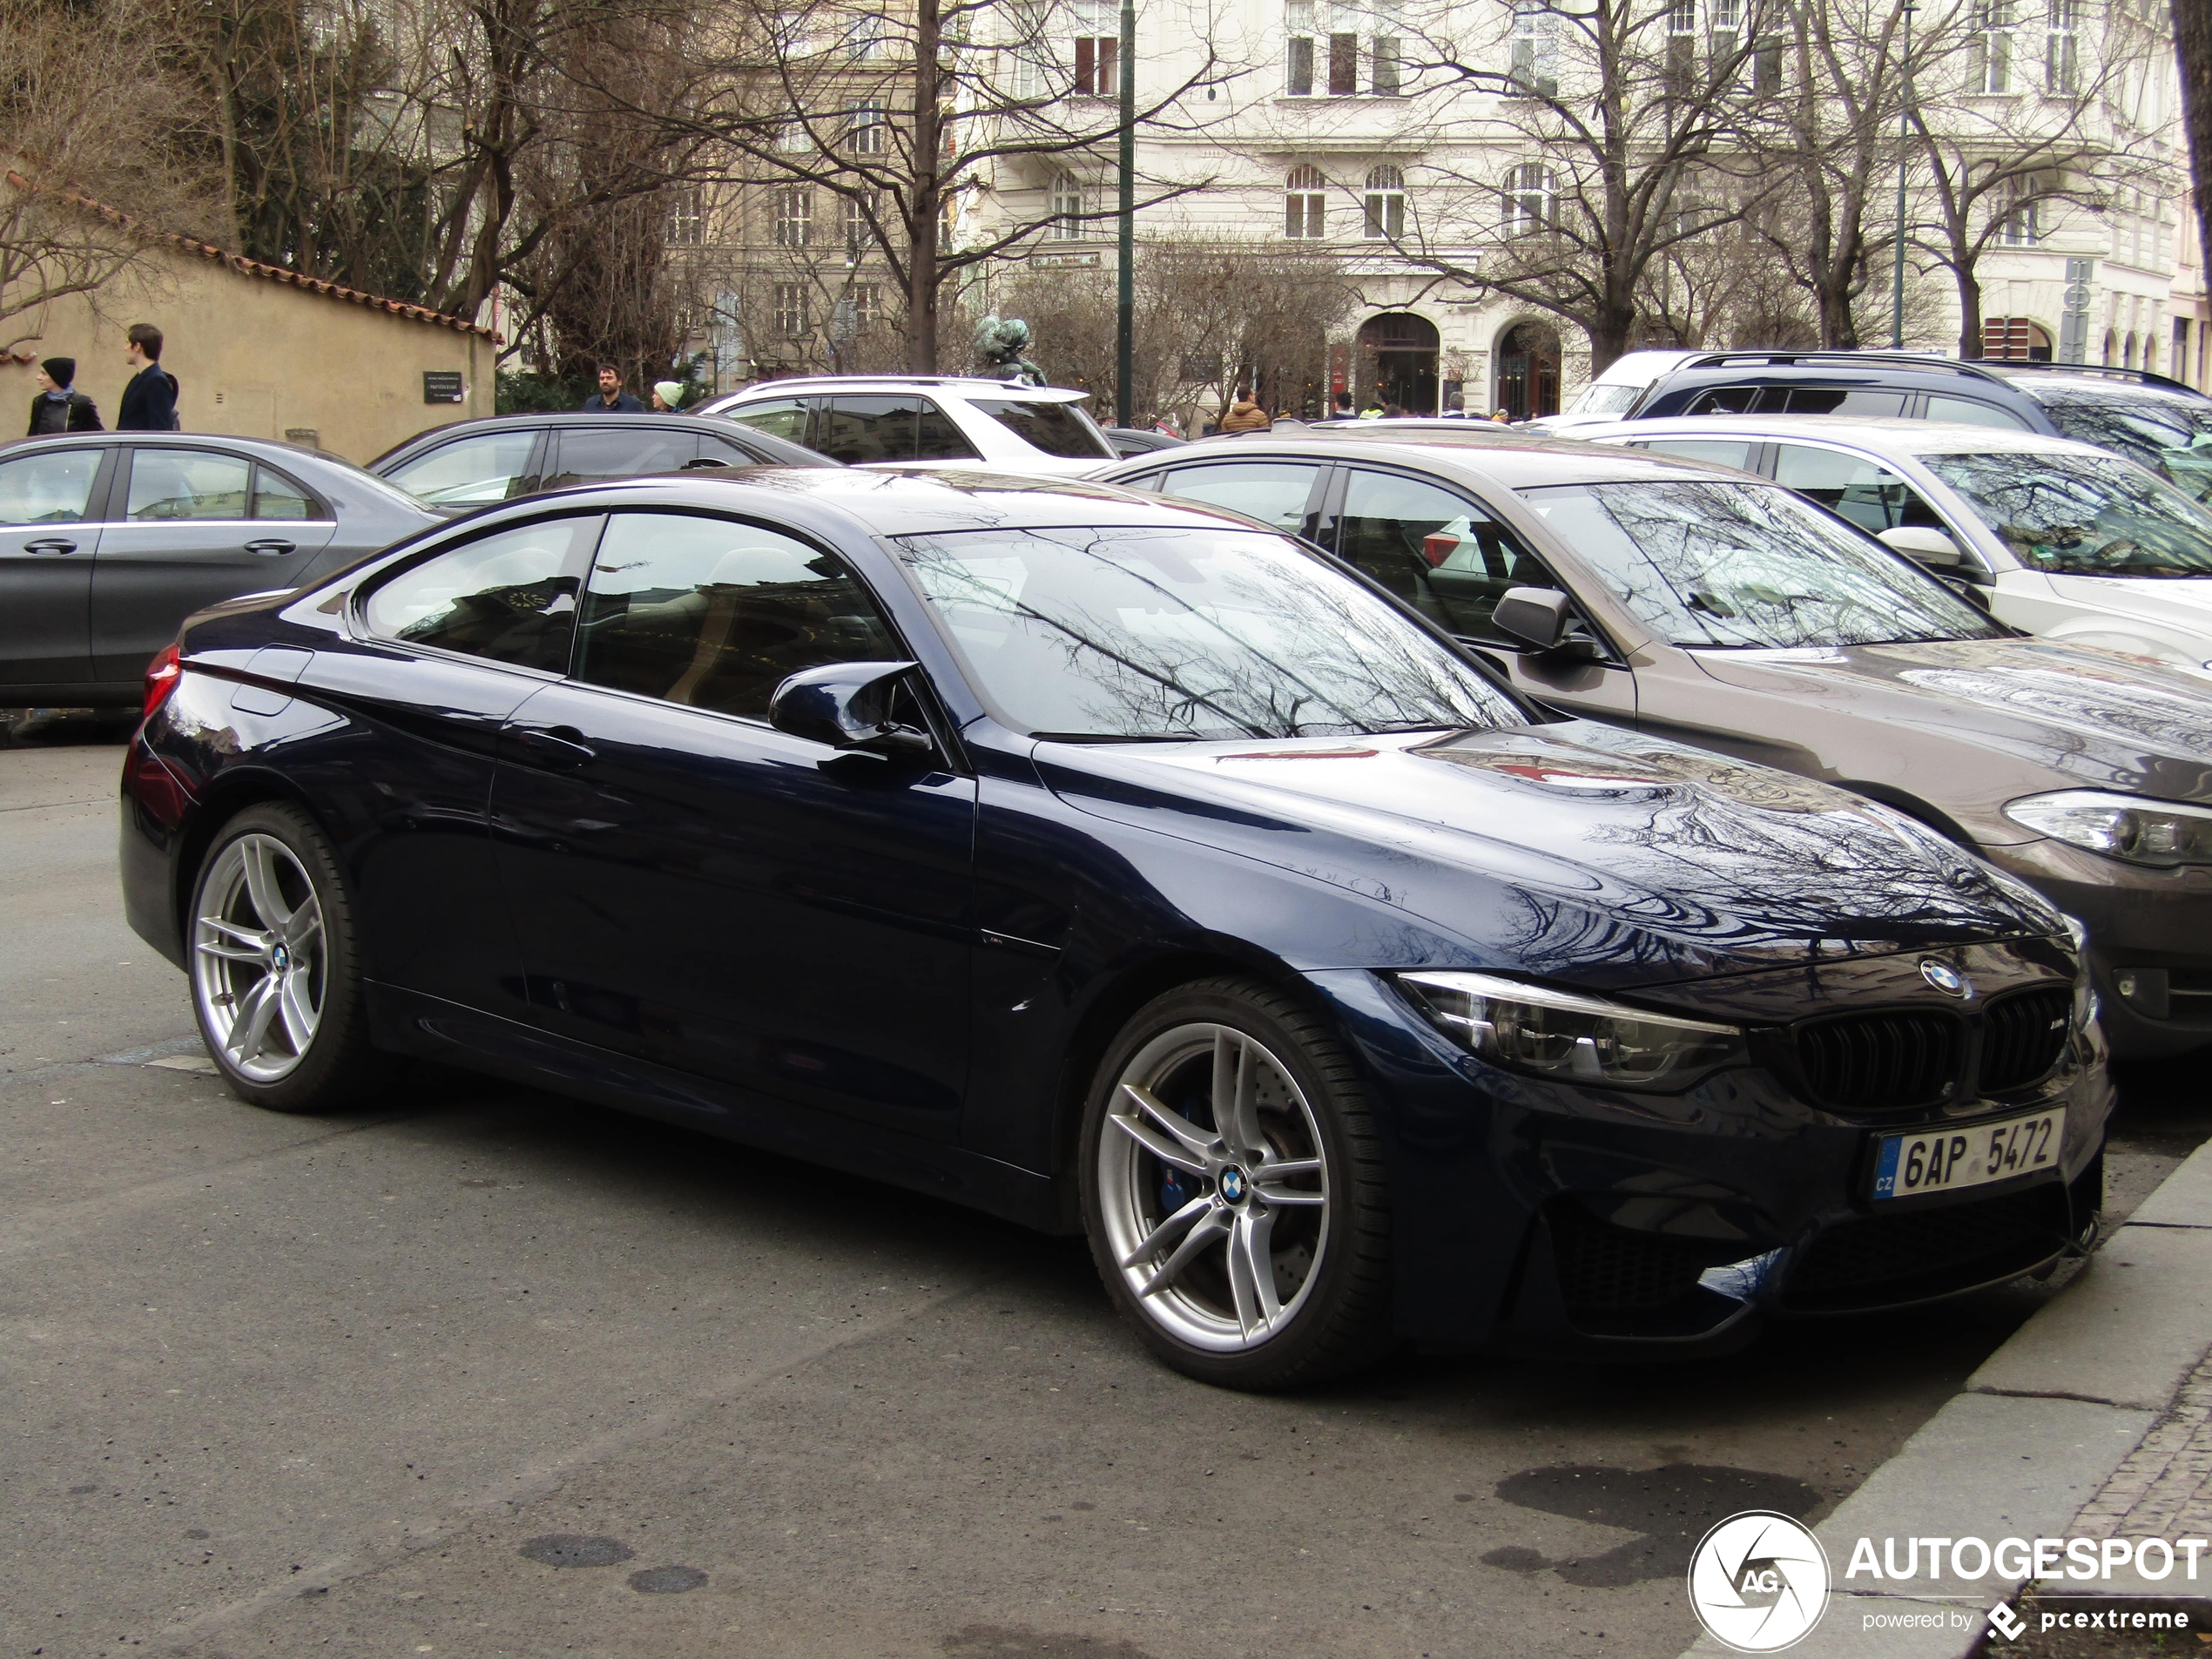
(1602, 399)
(1730, 564)
(2169, 433)
(1056, 428)
(1187, 633)
(2077, 514)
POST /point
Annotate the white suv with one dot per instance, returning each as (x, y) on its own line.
(2061, 538)
(922, 422)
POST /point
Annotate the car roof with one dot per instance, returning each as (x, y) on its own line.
(1894, 433)
(1531, 462)
(1636, 367)
(901, 503)
(965, 385)
(2094, 379)
(720, 425)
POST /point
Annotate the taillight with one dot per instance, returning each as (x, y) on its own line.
(162, 675)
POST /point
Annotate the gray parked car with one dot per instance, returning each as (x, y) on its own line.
(108, 540)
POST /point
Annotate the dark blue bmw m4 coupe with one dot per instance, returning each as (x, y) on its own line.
(1122, 867)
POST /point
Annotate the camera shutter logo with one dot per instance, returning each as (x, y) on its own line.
(1758, 1581)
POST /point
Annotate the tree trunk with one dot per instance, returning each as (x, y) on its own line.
(1970, 344)
(2193, 41)
(924, 276)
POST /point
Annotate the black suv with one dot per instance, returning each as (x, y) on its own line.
(2160, 422)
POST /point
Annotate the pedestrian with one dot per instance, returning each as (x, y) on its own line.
(1373, 411)
(611, 399)
(667, 394)
(1392, 412)
(1503, 417)
(1244, 415)
(1340, 406)
(59, 406)
(150, 398)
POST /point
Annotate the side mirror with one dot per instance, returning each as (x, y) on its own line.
(1538, 617)
(1923, 545)
(847, 705)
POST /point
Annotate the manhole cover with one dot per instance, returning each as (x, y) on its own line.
(666, 1581)
(574, 1549)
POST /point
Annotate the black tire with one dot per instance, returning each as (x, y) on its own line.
(337, 1067)
(1343, 1321)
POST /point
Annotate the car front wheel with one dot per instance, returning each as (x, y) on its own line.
(276, 983)
(1233, 1190)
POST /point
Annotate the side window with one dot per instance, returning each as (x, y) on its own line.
(1274, 492)
(939, 440)
(187, 483)
(1724, 399)
(716, 614)
(470, 472)
(1434, 549)
(780, 417)
(721, 452)
(1840, 400)
(858, 429)
(1722, 452)
(1971, 412)
(593, 454)
(511, 598)
(53, 488)
(277, 497)
(1866, 492)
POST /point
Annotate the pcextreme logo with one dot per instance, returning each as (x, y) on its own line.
(1758, 1581)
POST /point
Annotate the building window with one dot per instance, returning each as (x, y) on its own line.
(867, 305)
(1297, 73)
(1066, 223)
(1098, 48)
(864, 37)
(793, 138)
(1766, 66)
(1989, 49)
(1344, 50)
(2062, 62)
(791, 309)
(1304, 204)
(1682, 46)
(1536, 50)
(1386, 204)
(1386, 59)
(1727, 36)
(686, 219)
(859, 236)
(2021, 226)
(1532, 199)
(868, 128)
(794, 215)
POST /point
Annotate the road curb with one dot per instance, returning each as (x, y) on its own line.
(2078, 1385)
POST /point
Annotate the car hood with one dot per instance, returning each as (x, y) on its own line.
(1578, 852)
(2183, 602)
(2073, 717)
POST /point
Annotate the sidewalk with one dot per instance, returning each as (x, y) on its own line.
(2093, 1420)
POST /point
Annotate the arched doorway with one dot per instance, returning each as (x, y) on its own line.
(1398, 361)
(2015, 339)
(1528, 370)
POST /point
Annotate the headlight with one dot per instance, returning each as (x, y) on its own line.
(2162, 834)
(1557, 1033)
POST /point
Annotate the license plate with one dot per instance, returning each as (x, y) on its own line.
(1947, 1159)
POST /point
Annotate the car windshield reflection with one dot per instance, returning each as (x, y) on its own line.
(1707, 564)
(1144, 633)
(2075, 515)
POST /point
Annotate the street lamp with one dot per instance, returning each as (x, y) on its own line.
(1125, 293)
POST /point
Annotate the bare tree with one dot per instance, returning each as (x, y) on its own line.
(88, 106)
(2193, 44)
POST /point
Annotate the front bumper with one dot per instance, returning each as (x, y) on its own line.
(2150, 941)
(1531, 1217)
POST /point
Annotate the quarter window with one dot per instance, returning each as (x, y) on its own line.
(1973, 413)
(715, 614)
(187, 483)
(780, 417)
(277, 497)
(50, 489)
(509, 597)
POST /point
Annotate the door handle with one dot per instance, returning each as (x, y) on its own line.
(558, 746)
(272, 548)
(51, 545)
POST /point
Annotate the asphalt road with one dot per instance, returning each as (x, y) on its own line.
(487, 1373)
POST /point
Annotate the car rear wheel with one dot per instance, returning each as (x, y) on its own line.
(1233, 1190)
(276, 983)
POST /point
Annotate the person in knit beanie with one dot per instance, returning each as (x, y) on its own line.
(59, 406)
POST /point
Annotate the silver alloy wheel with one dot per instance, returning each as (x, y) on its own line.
(258, 971)
(1214, 1187)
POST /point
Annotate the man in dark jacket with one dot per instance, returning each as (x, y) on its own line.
(610, 398)
(150, 400)
(59, 406)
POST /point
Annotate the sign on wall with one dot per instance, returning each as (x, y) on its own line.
(441, 386)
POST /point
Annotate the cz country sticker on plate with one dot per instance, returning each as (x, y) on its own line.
(1944, 1160)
